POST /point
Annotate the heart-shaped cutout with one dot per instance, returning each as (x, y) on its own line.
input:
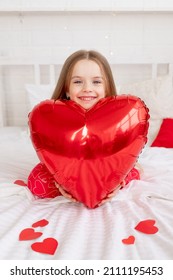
(20, 183)
(89, 152)
(147, 226)
(130, 240)
(41, 223)
(47, 246)
(29, 234)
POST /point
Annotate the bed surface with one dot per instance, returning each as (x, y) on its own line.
(82, 233)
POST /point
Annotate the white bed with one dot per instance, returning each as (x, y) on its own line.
(82, 233)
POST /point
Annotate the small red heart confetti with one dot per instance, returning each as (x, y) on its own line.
(147, 226)
(47, 246)
(41, 223)
(130, 240)
(20, 183)
(29, 234)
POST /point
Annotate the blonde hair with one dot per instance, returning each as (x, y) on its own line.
(67, 69)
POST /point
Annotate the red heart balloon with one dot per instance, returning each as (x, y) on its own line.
(89, 152)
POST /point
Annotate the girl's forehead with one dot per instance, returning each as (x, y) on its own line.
(86, 66)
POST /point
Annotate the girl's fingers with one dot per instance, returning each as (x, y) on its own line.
(139, 168)
(103, 201)
(114, 192)
(66, 195)
(110, 195)
(63, 192)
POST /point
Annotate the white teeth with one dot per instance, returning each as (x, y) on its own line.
(87, 98)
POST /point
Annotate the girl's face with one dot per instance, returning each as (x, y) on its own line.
(87, 84)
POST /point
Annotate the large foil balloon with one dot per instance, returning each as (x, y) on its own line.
(89, 152)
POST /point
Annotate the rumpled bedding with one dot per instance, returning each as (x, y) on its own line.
(107, 232)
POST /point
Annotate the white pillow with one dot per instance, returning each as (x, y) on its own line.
(38, 93)
(158, 97)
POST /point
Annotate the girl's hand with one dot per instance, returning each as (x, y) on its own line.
(112, 194)
(65, 194)
(139, 168)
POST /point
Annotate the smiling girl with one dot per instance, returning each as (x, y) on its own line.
(85, 78)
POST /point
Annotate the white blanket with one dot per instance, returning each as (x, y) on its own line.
(85, 234)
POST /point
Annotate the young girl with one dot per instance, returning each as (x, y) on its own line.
(85, 78)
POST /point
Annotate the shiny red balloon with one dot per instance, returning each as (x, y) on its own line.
(89, 152)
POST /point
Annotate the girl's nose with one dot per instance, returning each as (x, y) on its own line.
(87, 87)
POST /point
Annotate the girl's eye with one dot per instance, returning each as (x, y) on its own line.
(77, 82)
(97, 82)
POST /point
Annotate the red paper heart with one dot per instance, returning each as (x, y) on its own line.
(147, 226)
(89, 152)
(130, 240)
(48, 246)
(20, 183)
(41, 223)
(29, 234)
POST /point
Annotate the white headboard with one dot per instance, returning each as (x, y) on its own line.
(51, 64)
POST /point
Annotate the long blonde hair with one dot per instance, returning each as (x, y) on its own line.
(67, 69)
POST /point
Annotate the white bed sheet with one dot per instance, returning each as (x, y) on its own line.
(85, 234)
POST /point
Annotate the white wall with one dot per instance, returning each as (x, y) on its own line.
(122, 30)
